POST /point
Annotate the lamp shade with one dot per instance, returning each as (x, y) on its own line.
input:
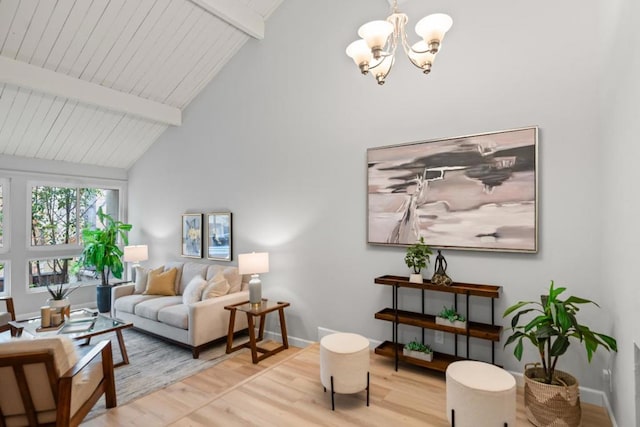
(433, 27)
(136, 253)
(253, 263)
(420, 54)
(359, 51)
(376, 33)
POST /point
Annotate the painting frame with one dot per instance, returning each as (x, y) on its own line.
(474, 192)
(219, 237)
(191, 236)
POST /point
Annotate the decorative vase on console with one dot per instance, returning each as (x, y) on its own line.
(417, 258)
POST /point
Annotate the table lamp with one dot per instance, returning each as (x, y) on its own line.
(135, 254)
(254, 263)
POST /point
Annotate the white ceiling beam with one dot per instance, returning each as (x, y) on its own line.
(46, 81)
(235, 14)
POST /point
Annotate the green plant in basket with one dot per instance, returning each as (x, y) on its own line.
(551, 330)
(417, 256)
(451, 315)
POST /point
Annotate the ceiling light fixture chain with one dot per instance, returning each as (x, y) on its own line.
(375, 51)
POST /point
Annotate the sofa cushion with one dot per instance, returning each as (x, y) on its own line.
(193, 292)
(142, 276)
(216, 287)
(189, 271)
(149, 309)
(177, 265)
(175, 315)
(161, 283)
(128, 303)
(230, 273)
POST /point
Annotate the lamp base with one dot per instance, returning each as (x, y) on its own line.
(255, 289)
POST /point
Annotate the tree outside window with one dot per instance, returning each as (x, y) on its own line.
(58, 214)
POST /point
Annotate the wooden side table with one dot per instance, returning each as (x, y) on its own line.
(252, 311)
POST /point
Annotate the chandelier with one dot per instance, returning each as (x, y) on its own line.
(375, 51)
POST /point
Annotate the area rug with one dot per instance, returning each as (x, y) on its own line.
(153, 364)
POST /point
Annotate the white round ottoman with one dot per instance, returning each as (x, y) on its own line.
(480, 394)
(344, 364)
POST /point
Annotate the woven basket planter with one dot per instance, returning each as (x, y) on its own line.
(551, 405)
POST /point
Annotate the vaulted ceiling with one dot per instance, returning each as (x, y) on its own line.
(98, 81)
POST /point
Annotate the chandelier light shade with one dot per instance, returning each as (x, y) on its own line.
(375, 51)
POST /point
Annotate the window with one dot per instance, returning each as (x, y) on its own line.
(1, 215)
(3, 273)
(58, 215)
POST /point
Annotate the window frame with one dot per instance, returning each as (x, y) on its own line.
(7, 277)
(6, 217)
(66, 250)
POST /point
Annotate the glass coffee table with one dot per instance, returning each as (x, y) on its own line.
(83, 324)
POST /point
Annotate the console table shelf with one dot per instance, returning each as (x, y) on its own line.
(439, 363)
(484, 331)
(428, 321)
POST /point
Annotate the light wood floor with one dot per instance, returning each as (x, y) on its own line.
(285, 390)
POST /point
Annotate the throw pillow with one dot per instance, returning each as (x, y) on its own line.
(193, 291)
(216, 287)
(142, 276)
(161, 283)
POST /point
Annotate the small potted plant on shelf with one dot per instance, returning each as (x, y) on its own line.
(449, 317)
(417, 258)
(417, 350)
(549, 392)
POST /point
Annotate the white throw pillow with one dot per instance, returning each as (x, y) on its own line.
(142, 274)
(193, 290)
(216, 287)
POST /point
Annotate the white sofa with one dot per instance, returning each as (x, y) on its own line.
(192, 325)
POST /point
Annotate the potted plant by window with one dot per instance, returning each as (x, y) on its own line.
(449, 317)
(417, 258)
(417, 350)
(102, 252)
(550, 395)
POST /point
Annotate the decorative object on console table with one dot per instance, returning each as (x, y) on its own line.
(191, 236)
(102, 252)
(551, 397)
(440, 275)
(417, 258)
(254, 263)
(218, 242)
(445, 190)
(134, 254)
(417, 350)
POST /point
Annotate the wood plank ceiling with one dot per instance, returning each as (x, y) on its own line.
(152, 57)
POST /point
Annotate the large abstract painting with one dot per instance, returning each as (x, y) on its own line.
(474, 192)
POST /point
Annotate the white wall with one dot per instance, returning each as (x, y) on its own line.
(20, 171)
(620, 152)
(280, 138)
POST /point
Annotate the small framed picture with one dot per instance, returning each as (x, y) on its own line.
(218, 236)
(192, 235)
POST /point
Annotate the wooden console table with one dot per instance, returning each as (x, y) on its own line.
(252, 311)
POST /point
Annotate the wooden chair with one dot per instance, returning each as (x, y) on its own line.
(43, 384)
(7, 316)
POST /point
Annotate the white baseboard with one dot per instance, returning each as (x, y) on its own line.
(607, 406)
(293, 341)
